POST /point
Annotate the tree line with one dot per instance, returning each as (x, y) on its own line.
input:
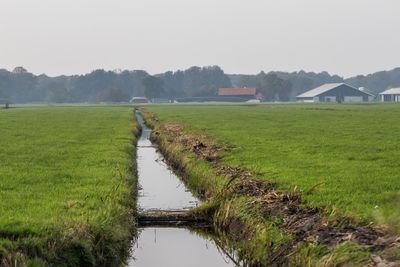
(21, 86)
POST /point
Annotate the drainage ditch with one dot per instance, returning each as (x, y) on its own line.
(168, 234)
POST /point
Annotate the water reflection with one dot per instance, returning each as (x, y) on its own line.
(160, 188)
(176, 247)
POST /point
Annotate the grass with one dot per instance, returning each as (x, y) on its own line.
(347, 153)
(254, 237)
(66, 179)
(333, 153)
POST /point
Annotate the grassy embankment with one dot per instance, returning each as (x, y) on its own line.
(67, 185)
(347, 155)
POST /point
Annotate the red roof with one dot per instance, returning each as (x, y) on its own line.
(236, 91)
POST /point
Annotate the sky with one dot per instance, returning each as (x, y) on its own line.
(345, 37)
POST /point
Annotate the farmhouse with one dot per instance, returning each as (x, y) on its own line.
(391, 95)
(335, 92)
(245, 93)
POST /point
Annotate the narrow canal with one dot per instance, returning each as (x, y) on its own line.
(161, 189)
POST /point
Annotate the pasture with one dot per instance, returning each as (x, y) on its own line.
(66, 183)
(346, 157)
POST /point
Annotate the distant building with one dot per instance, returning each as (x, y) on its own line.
(391, 95)
(139, 100)
(245, 93)
(335, 92)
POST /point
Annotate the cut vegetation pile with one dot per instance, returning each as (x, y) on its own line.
(285, 181)
(67, 185)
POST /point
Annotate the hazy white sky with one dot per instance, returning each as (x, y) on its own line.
(346, 37)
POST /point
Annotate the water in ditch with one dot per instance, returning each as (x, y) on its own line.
(161, 189)
(178, 247)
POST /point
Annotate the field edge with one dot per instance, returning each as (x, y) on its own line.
(105, 241)
(266, 241)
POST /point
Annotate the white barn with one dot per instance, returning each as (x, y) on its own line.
(391, 95)
(336, 92)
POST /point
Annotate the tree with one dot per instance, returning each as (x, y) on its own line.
(204, 81)
(285, 90)
(59, 95)
(4, 100)
(274, 88)
(173, 83)
(112, 95)
(21, 86)
(87, 87)
(153, 87)
(2, 95)
(270, 85)
(19, 70)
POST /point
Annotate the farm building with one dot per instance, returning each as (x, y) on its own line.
(335, 92)
(245, 93)
(391, 95)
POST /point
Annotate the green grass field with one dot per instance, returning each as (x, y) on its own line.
(65, 172)
(351, 151)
